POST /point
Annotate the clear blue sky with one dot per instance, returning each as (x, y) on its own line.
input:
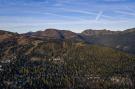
(76, 15)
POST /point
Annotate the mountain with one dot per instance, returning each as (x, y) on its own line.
(55, 34)
(91, 32)
(122, 40)
(130, 30)
(42, 60)
(4, 35)
(50, 33)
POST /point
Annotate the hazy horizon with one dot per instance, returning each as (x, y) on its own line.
(76, 15)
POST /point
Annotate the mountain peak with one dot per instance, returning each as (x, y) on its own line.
(51, 29)
(130, 30)
(91, 32)
(54, 34)
(6, 35)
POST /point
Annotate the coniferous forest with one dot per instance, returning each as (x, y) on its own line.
(28, 62)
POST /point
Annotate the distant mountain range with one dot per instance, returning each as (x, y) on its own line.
(122, 40)
(61, 59)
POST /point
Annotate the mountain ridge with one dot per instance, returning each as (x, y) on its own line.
(38, 62)
(121, 40)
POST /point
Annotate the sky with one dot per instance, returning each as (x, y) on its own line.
(76, 15)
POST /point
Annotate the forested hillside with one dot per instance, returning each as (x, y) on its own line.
(37, 63)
